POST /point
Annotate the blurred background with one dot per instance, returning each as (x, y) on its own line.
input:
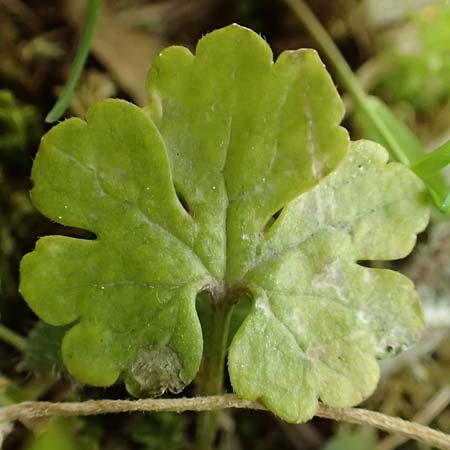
(399, 50)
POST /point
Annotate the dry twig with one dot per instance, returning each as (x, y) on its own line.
(33, 410)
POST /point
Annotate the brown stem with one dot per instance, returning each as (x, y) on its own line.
(33, 410)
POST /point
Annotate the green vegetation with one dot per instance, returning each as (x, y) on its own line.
(226, 237)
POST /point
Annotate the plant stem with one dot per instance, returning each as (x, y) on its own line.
(80, 58)
(12, 338)
(210, 380)
(34, 410)
(346, 75)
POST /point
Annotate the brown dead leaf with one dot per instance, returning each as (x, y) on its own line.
(125, 51)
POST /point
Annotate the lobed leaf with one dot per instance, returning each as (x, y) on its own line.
(244, 136)
(236, 178)
(320, 319)
(130, 293)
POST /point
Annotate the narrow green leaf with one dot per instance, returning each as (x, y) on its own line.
(375, 117)
(380, 124)
(413, 151)
(80, 59)
(434, 161)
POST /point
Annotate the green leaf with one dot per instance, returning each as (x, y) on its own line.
(394, 131)
(162, 431)
(62, 432)
(361, 438)
(320, 319)
(19, 128)
(406, 147)
(42, 352)
(244, 136)
(420, 74)
(427, 168)
(237, 181)
(131, 290)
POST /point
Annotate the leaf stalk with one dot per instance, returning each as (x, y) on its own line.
(216, 325)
